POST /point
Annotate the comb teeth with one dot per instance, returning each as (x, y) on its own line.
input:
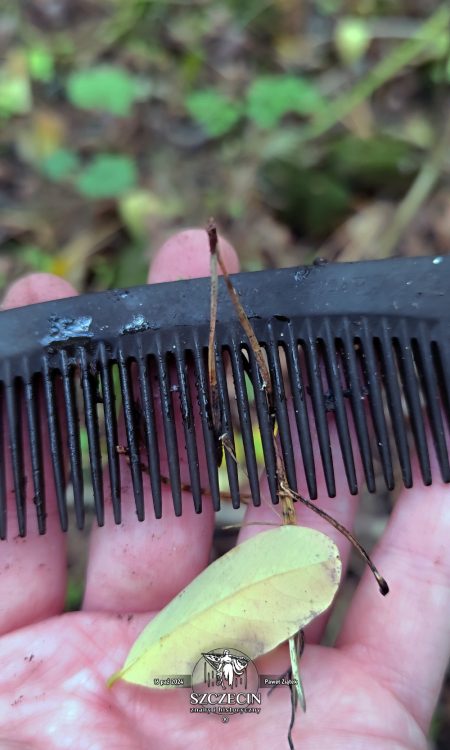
(73, 436)
(169, 431)
(187, 415)
(209, 438)
(3, 471)
(55, 443)
(13, 412)
(151, 438)
(111, 434)
(245, 419)
(379, 382)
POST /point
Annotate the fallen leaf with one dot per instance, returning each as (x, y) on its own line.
(253, 598)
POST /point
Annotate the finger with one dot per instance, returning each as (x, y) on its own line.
(404, 639)
(186, 256)
(33, 568)
(141, 566)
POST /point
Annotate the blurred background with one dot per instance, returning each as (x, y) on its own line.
(307, 129)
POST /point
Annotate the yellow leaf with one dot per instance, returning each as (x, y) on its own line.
(253, 598)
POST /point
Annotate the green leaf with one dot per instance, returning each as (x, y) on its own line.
(253, 598)
(214, 112)
(106, 87)
(329, 7)
(15, 94)
(60, 164)
(107, 176)
(352, 39)
(137, 207)
(269, 98)
(36, 258)
(40, 63)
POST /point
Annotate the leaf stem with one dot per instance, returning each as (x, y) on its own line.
(212, 373)
(382, 583)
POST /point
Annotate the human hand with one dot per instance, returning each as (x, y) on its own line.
(376, 690)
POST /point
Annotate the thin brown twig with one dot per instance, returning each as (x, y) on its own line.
(285, 494)
(382, 584)
(212, 373)
(287, 505)
(246, 325)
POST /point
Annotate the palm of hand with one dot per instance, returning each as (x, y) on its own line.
(55, 696)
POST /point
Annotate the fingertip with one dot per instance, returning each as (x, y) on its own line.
(37, 287)
(186, 255)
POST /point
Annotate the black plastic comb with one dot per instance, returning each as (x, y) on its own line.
(366, 343)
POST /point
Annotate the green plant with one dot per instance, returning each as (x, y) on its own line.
(107, 176)
(40, 63)
(269, 98)
(214, 112)
(105, 87)
(15, 93)
(59, 165)
(352, 39)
